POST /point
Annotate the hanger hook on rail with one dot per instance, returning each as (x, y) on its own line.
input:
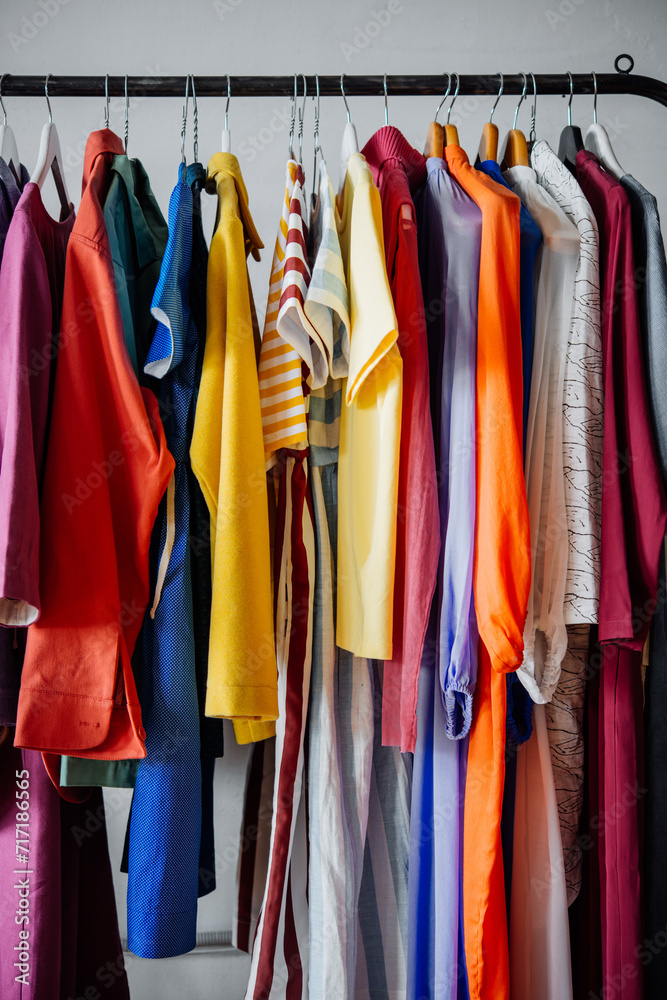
(342, 90)
(595, 98)
(127, 117)
(185, 119)
(195, 120)
(302, 114)
(500, 94)
(456, 94)
(292, 121)
(447, 92)
(316, 130)
(46, 94)
(569, 103)
(386, 104)
(229, 97)
(2, 103)
(106, 101)
(533, 110)
(521, 99)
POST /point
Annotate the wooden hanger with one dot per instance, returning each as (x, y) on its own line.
(8, 148)
(50, 160)
(515, 151)
(598, 141)
(571, 139)
(488, 146)
(435, 138)
(451, 131)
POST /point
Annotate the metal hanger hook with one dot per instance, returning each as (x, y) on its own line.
(195, 120)
(447, 92)
(386, 105)
(229, 97)
(46, 94)
(127, 116)
(569, 103)
(292, 121)
(456, 94)
(316, 130)
(302, 114)
(342, 90)
(106, 98)
(521, 99)
(595, 98)
(533, 109)
(500, 94)
(185, 118)
(2, 103)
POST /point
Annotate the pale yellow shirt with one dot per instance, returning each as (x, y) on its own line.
(370, 428)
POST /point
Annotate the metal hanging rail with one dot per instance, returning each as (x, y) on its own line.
(621, 82)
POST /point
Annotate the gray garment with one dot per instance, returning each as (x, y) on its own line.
(651, 280)
(10, 192)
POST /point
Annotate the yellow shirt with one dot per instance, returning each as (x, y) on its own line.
(227, 454)
(370, 428)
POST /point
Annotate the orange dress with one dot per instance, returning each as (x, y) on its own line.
(107, 468)
(501, 573)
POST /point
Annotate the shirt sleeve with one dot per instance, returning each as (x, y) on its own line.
(25, 363)
(372, 317)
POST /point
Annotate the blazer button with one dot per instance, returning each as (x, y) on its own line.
(142, 732)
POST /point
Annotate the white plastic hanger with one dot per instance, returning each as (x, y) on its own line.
(50, 158)
(598, 141)
(8, 148)
(350, 142)
(226, 140)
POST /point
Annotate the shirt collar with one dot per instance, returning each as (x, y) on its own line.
(519, 173)
(456, 153)
(226, 163)
(390, 144)
(100, 143)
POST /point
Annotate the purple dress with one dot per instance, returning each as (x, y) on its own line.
(450, 232)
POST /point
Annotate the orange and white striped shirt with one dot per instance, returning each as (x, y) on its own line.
(280, 381)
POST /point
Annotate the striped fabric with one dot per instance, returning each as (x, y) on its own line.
(280, 384)
(383, 900)
(340, 726)
(255, 843)
(279, 966)
(293, 326)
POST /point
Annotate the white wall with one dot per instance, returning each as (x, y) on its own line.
(157, 37)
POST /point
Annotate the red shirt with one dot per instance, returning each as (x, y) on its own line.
(399, 170)
(107, 467)
(634, 508)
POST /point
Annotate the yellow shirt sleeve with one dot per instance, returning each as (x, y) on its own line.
(370, 430)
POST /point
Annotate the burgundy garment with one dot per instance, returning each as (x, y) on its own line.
(31, 288)
(634, 509)
(65, 879)
(399, 170)
(621, 791)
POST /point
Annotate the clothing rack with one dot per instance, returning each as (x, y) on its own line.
(621, 82)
